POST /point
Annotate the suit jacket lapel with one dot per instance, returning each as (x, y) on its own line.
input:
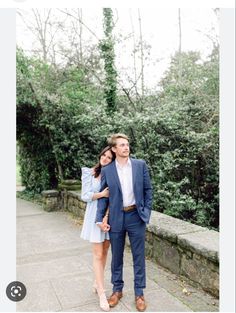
(116, 176)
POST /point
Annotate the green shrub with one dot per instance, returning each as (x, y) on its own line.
(62, 125)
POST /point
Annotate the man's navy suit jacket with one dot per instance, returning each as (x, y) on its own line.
(142, 192)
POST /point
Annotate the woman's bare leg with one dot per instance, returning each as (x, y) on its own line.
(98, 266)
(97, 251)
(106, 245)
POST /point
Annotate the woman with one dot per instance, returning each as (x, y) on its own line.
(91, 182)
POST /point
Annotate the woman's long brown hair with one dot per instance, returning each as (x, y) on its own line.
(97, 167)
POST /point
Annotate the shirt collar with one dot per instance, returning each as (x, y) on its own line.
(128, 164)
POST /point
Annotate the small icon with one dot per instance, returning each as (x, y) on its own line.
(16, 291)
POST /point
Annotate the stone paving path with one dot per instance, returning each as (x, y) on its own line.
(56, 267)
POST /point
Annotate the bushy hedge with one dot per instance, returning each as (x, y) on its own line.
(62, 124)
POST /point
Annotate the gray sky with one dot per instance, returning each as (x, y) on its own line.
(160, 31)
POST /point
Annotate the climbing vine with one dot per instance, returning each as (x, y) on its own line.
(108, 55)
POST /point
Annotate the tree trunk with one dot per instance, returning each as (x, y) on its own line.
(180, 48)
(180, 31)
(80, 14)
(141, 52)
(134, 53)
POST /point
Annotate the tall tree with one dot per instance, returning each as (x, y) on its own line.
(180, 31)
(80, 14)
(108, 55)
(141, 52)
(180, 49)
(134, 51)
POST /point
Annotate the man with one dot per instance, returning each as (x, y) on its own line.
(129, 202)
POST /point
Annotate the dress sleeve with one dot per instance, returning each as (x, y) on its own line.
(86, 190)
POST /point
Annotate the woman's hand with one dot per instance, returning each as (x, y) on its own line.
(101, 194)
(105, 193)
(104, 227)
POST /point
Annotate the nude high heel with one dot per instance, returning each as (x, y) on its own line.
(104, 305)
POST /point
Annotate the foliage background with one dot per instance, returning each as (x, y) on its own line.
(63, 120)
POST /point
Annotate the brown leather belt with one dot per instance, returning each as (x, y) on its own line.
(130, 208)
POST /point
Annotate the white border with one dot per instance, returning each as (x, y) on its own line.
(117, 3)
(227, 160)
(7, 155)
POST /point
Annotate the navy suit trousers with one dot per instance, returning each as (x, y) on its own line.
(135, 227)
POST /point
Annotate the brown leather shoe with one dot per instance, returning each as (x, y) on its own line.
(140, 303)
(115, 298)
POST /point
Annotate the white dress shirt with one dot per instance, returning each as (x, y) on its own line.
(126, 182)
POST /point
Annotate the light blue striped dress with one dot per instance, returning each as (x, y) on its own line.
(90, 185)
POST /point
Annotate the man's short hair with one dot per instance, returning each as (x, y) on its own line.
(112, 139)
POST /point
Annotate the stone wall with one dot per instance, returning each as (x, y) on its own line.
(183, 248)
